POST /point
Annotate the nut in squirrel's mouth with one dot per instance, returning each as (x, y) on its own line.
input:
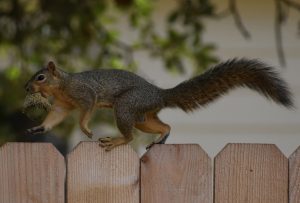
(38, 92)
(36, 100)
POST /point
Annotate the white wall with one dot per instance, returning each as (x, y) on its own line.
(243, 115)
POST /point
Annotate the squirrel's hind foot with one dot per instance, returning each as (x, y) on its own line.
(162, 140)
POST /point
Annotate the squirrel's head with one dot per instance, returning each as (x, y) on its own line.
(44, 81)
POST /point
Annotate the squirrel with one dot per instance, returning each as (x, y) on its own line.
(137, 102)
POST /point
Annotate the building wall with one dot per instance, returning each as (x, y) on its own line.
(243, 115)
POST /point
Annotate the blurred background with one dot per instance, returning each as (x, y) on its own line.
(164, 41)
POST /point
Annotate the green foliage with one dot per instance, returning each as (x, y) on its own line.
(77, 35)
(75, 32)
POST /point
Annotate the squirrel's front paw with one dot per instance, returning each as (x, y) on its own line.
(36, 130)
(87, 132)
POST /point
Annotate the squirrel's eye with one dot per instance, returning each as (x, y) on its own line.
(40, 77)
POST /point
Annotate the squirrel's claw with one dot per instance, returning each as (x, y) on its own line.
(106, 143)
(36, 130)
(105, 139)
(150, 145)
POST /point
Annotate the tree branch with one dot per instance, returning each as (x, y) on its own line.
(238, 20)
(291, 4)
(126, 49)
(279, 17)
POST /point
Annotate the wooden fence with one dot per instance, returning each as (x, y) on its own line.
(38, 173)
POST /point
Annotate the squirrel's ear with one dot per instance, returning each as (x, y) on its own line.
(52, 68)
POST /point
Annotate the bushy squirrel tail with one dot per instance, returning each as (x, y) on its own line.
(217, 81)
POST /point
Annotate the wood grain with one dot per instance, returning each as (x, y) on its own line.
(31, 172)
(294, 177)
(95, 175)
(177, 174)
(256, 173)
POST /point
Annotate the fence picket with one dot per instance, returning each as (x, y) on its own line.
(251, 173)
(94, 175)
(31, 173)
(294, 177)
(176, 173)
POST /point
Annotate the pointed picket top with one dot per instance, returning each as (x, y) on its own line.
(271, 147)
(251, 173)
(294, 176)
(176, 173)
(46, 145)
(95, 175)
(31, 172)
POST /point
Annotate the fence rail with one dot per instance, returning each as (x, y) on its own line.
(38, 173)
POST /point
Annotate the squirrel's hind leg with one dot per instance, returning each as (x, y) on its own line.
(153, 124)
(125, 120)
